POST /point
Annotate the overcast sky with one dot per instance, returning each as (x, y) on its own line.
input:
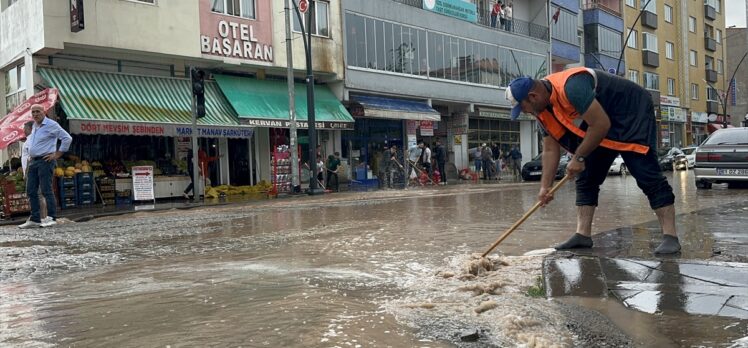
(735, 13)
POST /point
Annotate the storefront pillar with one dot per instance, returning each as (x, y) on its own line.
(223, 162)
(527, 139)
(262, 154)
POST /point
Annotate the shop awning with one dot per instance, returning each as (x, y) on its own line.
(264, 103)
(382, 107)
(108, 103)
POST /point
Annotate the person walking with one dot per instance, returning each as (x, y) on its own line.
(383, 169)
(202, 160)
(440, 156)
(27, 128)
(619, 118)
(333, 165)
(42, 158)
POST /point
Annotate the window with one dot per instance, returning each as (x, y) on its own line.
(15, 87)
(566, 28)
(651, 7)
(692, 24)
(670, 86)
(719, 6)
(692, 58)
(320, 20)
(712, 94)
(631, 3)
(651, 81)
(694, 91)
(669, 47)
(602, 40)
(709, 63)
(632, 38)
(718, 36)
(708, 31)
(649, 42)
(668, 14)
(239, 8)
(634, 76)
(720, 66)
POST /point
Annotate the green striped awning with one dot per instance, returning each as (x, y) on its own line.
(98, 96)
(264, 103)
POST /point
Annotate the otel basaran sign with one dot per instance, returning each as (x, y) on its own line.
(225, 36)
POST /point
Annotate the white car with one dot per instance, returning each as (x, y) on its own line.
(690, 153)
(618, 167)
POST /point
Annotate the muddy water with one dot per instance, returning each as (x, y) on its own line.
(325, 271)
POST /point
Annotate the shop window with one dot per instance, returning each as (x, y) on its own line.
(320, 19)
(15, 87)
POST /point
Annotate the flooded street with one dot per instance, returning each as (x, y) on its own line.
(343, 270)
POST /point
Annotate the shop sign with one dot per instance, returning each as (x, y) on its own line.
(154, 129)
(459, 9)
(76, 16)
(142, 183)
(673, 114)
(699, 117)
(235, 37)
(411, 126)
(265, 123)
(670, 101)
(427, 128)
(501, 114)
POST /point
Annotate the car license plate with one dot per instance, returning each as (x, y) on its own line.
(732, 171)
(536, 173)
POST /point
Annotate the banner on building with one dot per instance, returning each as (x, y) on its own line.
(427, 128)
(459, 9)
(11, 126)
(157, 129)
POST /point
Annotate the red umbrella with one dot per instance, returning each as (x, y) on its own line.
(11, 126)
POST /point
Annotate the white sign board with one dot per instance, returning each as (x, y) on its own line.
(142, 183)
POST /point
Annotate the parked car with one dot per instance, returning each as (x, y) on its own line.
(690, 153)
(618, 167)
(680, 162)
(666, 156)
(723, 158)
(533, 170)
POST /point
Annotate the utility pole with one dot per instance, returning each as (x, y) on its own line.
(292, 105)
(198, 87)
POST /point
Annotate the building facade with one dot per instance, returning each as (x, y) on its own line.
(675, 50)
(567, 33)
(124, 79)
(736, 48)
(415, 70)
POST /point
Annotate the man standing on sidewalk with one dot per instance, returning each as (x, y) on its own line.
(618, 118)
(516, 157)
(441, 161)
(43, 154)
(27, 128)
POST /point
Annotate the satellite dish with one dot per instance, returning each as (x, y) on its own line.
(712, 117)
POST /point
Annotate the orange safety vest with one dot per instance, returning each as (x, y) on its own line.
(558, 122)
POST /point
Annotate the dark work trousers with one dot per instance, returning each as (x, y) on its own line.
(331, 175)
(487, 171)
(644, 168)
(442, 170)
(192, 181)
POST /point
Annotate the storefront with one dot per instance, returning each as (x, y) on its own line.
(383, 121)
(263, 104)
(698, 127)
(119, 121)
(672, 125)
(489, 126)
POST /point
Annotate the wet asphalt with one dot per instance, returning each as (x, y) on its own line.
(321, 271)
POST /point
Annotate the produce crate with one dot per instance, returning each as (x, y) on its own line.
(67, 202)
(67, 192)
(85, 196)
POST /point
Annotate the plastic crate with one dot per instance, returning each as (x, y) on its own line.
(122, 201)
(79, 177)
(66, 182)
(66, 203)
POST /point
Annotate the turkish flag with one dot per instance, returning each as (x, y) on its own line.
(11, 126)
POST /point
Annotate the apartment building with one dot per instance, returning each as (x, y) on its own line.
(676, 51)
(122, 70)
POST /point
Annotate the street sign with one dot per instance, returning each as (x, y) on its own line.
(303, 5)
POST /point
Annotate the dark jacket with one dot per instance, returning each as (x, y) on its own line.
(441, 154)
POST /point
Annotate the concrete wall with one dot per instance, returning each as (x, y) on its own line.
(327, 53)
(170, 27)
(736, 42)
(19, 31)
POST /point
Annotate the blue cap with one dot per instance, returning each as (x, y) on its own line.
(517, 92)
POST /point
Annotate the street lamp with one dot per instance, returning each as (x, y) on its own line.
(625, 42)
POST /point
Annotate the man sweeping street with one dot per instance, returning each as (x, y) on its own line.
(596, 116)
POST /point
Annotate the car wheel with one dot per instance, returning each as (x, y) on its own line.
(700, 184)
(737, 184)
(623, 170)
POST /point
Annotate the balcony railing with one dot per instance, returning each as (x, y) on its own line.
(607, 6)
(516, 26)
